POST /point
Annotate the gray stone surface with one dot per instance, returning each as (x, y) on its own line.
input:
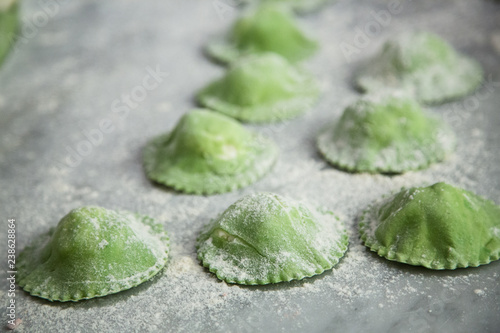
(67, 79)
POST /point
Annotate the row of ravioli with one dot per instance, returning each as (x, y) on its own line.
(266, 238)
(262, 238)
(385, 131)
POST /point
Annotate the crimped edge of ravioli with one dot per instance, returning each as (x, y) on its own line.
(329, 151)
(224, 52)
(369, 78)
(365, 228)
(117, 286)
(284, 109)
(176, 178)
(334, 257)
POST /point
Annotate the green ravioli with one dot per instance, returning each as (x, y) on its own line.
(208, 153)
(269, 28)
(423, 64)
(438, 227)
(265, 238)
(387, 133)
(261, 88)
(9, 25)
(93, 252)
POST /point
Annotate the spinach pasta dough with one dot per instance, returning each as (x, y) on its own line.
(269, 28)
(386, 133)
(93, 252)
(261, 88)
(438, 227)
(265, 238)
(208, 153)
(9, 25)
(424, 64)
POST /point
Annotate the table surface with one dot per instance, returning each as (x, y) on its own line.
(69, 78)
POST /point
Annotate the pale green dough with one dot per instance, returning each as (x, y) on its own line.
(269, 28)
(261, 88)
(208, 153)
(9, 26)
(438, 227)
(93, 252)
(387, 133)
(423, 64)
(265, 238)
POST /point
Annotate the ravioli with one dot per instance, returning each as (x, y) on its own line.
(438, 227)
(9, 26)
(261, 88)
(386, 133)
(423, 64)
(265, 238)
(208, 153)
(93, 252)
(269, 28)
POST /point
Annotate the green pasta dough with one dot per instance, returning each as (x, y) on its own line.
(423, 64)
(93, 252)
(208, 153)
(261, 88)
(265, 238)
(438, 227)
(387, 133)
(9, 25)
(269, 28)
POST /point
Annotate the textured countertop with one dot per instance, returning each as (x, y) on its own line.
(69, 80)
